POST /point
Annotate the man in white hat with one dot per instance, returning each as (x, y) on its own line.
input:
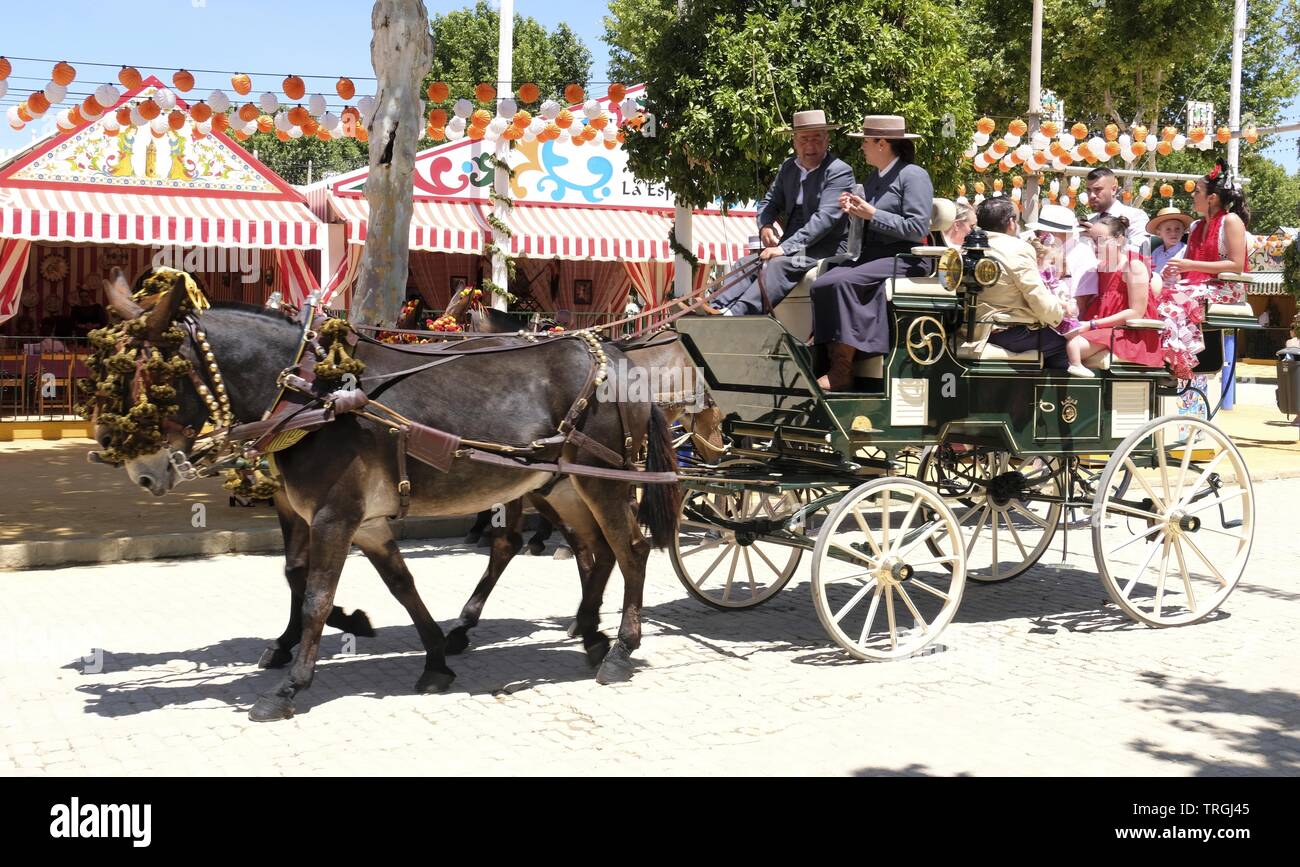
(799, 220)
(1080, 272)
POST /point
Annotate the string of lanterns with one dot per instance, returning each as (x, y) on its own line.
(1055, 149)
(220, 112)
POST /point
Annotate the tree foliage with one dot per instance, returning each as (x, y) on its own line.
(291, 160)
(723, 76)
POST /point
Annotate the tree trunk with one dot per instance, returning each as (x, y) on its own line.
(401, 52)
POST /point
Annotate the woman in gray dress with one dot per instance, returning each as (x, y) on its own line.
(850, 314)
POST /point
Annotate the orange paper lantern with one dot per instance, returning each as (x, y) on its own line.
(617, 92)
(309, 128)
(294, 87)
(323, 134)
(564, 119)
(345, 88)
(1164, 148)
(248, 112)
(438, 117)
(38, 104)
(1168, 133)
(437, 133)
(176, 119)
(1224, 135)
(574, 93)
(362, 134)
(438, 91)
(480, 119)
(552, 132)
(149, 109)
(279, 133)
(1250, 134)
(90, 107)
(522, 119)
(24, 114)
(299, 115)
(1017, 127)
(5, 68)
(220, 123)
(75, 118)
(1112, 132)
(241, 135)
(529, 92)
(200, 111)
(1049, 128)
(485, 92)
(1166, 190)
(512, 133)
(242, 84)
(1139, 132)
(1113, 148)
(1138, 148)
(183, 80)
(63, 73)
(474, 133)
(1196, 134)
(985, 125)
(124, 116)
(1189, 186)
(1079, 131)
(598, 123)
(129, 77)
(266, 123)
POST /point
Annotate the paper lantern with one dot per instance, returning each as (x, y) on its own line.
(1150, 141)
(219, 101)
(176, 120)
(241, 135)
(998, 147)
(529, 92)
(111, 126)
(1039, 141)
(1069, 139)
(266, 123)
(268, 102)
(574, 93)
(137, 119)
(298, 115)
(978, 200)
(438, 91)
(1127, 155)
(980, 139)
(437, 133)
(106, 95)
(149, 109)
(366, 105)
(1166, 190)
(1125, 142)
(564, 119)
(1079, 131)
(242, 84)
(969, 153)
(1139, 148)
(456, 123)
(1006, 164)
(1139, 133)
(124, 116)
(985, 125)
(438, 117)
(481, 118)
(323, 134)
(1050, 128)
(1024, 152)
(309, 127)
(159, 125)
(521, 119)
(507, 108)
(1083, 197)
(1179, 142)
(90, 107)
(63, 73)
(1164, 148)
(1112, 148)
(1250, 134)
(4, 88)
(1097, 146)
(316, 105)
(1196, 134)
(1128, 196)
(5, 68)
(280, 121)
(329, 120)
(1189, 186)
(129, 77)
(345, 88)
(1145, 191)
(294, 88)
(463, 108)
(220, 123)
(1017, 127)
(165, 98)
(1111, 131)
(474, 133)
(248, 112)
(63, 121)
(1012, 140)
(281, 135)
(484, 92)
(454, 134)
(183, 80)
(591, 108)
(55, 93)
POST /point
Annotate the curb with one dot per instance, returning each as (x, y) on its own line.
(54, 553)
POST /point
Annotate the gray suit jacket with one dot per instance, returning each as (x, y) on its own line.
(904, 198)
(821, 229)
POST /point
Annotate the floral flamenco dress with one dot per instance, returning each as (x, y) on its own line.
(1133, 346)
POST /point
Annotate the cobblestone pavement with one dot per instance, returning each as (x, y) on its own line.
(1037, 677)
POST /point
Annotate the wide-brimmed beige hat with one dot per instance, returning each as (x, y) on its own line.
(1164, 215)
(813, 120)
(884, 126)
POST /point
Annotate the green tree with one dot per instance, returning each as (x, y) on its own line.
(723, 76)
(292, 160)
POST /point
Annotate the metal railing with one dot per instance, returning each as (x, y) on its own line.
(38, 377)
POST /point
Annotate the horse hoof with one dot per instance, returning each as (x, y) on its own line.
(434, 681)
(537, 549)
(472, 538)
(562, 553)
(270, 708)
(457, 641)
(274, 657)
(617, 666)
(597, 650)
(573, 629)
(358, 623)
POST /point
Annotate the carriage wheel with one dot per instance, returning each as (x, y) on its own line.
(1172, 550)
(1004, 529)
(728, 570)
(880, 591)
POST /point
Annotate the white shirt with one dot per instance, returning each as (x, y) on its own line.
(890, 166)
(1137, 222)
(1081, 262)
(803, 176)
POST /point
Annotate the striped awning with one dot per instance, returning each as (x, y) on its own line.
(1266, 283)
(436, 227)
(721, 238)
(76, 216)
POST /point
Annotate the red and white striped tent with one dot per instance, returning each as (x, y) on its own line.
(77, 203)
(579, 216)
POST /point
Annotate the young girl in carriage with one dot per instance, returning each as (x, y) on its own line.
(1124, 293)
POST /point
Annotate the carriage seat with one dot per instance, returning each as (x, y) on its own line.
(795, 311)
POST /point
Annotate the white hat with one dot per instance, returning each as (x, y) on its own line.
(1055, 218)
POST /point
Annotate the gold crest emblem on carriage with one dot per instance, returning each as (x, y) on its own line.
(925, 340)
(1069, 410)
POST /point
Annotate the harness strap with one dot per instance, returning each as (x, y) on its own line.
(403, 480)
(589, 445)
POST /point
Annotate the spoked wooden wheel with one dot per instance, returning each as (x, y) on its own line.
(880, 591)
(1172, 548)
(1005, 529)
(729, 569)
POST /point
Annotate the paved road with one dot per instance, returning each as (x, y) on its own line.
(1038, 677)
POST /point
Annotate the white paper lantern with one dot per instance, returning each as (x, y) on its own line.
(15, 122)
(1012, 140)
(107, 95)
(962, 200)
(456, 124)
(159, 124)
(1058, 165)
(454, 134)
(366, 105)
(91, 117)
(1125, 141)
(1097, 146)
(549, 110)
(610, 133)
(1015, 194)
(110, 126)
(295, 132)
(969, 153)
(1076, 154)
(629, 107)
(1067, 141)
(282, 122)
(1145, 191)
(1040, 142)
(507, 107)
(1054, 186)
(329, 121)
(528, 136)
(165, 98)
(137, 119)
(63, 121)
(980, 139)
(1024, 152)
(981, 162)
(1005, 163)
(219, 101)
(1083, 197)
(268, 102)
(250, 127)
(535, 126)
(316, 105)
(4, 88)
(496, 127)
(205, 128)
(1150, 141)
(1074, 182)
(1065, 202)
(1127, 155)
(979, 197)
(55, 93)
(1178, 142)
(591, 108)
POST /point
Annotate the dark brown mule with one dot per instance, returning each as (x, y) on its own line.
(341, 480)
(656, 360)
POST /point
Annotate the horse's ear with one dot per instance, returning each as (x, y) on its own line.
(164, 312)
(118, 294)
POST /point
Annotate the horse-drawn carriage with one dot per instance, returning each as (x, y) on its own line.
(952, 459)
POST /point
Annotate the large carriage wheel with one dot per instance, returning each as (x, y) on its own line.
(880, 591)
(722, 568)
(1004, 528)
(1171, 550)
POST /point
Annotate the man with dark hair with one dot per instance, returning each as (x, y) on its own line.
(1018, 312)
(804, 201)
(1102, 188)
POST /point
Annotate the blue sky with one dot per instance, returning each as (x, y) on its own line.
(321, 37)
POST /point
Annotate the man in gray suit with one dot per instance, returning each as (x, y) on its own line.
(804, 201)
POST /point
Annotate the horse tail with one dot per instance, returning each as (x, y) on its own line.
(660, 503)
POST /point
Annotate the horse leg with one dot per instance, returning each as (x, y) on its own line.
(505, 545)
(380, 548)
(296, 534)
(610, 503)
(595, 561)
(480, 525)
(537, 544)
(327, 549)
